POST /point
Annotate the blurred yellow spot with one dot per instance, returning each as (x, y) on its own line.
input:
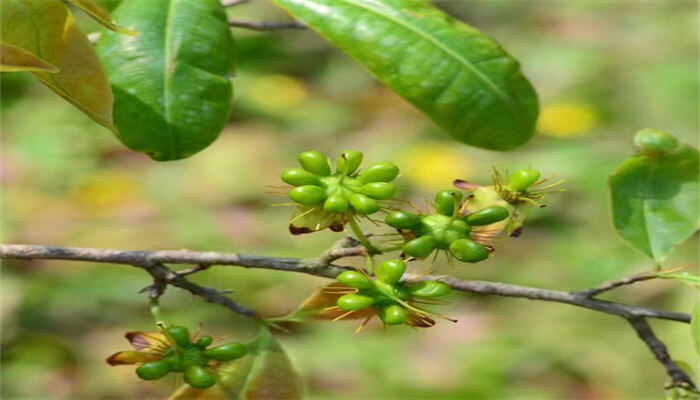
(432, 166)
(106, 189)
(566, 119)
(276, 93)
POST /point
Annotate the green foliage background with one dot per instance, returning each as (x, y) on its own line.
(614, 67)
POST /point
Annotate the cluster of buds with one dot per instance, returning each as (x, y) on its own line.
(172, 350)
(387, 296)
(335, 197)
(448, 228)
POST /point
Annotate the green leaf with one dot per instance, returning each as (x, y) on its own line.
(171, 86)
(47, 29)
(100, 16)
(13, 58)
(265, 373)
(463, 80)
(655, 196)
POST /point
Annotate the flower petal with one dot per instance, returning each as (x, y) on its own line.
(153, 341)
(131, 357)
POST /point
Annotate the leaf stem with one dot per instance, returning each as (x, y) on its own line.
(155, 311)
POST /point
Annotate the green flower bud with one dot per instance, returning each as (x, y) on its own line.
(153, 370)
(468, 250)
(401, 292)
(299, 177)
(355, 279)
(308, 195)
(523, 179)
(390, 271)
(393, 315)
(420, 247)
(203, 342)
(315, 162)
(336, 203)
(199, 378)
(445, 201)
(348, 161)
(363, 204)
(379, 172)
(352, 302)
(226, 352)
(488, 215)
(429, 289)
(378, 190)
(655, 142)
(180, 334)
(403, 220)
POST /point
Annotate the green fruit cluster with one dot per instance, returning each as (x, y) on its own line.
(191, 358)
(385, 292)
(345, 190)
(446, 229)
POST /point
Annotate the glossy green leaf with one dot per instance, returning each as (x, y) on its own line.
(100, 15)
(47, 29)
(170, 82)
(266, 373)
(459, 77)
(655, 199)
(13, 58)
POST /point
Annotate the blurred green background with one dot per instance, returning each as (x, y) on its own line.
(603, 70)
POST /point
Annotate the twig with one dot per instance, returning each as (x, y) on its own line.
(610, 285)
(140, 258)
(153, 262)
(265, 26)
(348, 246)
(678, 377)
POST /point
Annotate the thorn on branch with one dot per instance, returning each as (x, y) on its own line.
(265, 26)
(155, 290)
(193, 270)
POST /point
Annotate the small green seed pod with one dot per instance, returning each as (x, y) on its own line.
(203, 342)
(429, 289)
(199, 378)
(402, 220)
(352, 302)
(383, 171)
(468, 250)
(226, 352)
(378, 190)
(348, 161)
(315, 162)
(445, 201)
(299, 177)
(420, 247)
(487, 215)
(153, 370)
(336, 203)
(523, 179)
(308, 195)
(180, 334)
(355, 279)
(654, 142)
(363, 204)
(393, 315)
(390, 271)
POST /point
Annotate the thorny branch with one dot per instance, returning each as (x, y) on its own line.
(154, 262)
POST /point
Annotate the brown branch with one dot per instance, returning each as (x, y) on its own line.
(678, 377)
(265, 26)
(614, 284)
(153, 262)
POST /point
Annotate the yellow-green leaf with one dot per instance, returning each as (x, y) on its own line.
(101, 16)
(695, 327)
(13, 58)
(47, 29)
